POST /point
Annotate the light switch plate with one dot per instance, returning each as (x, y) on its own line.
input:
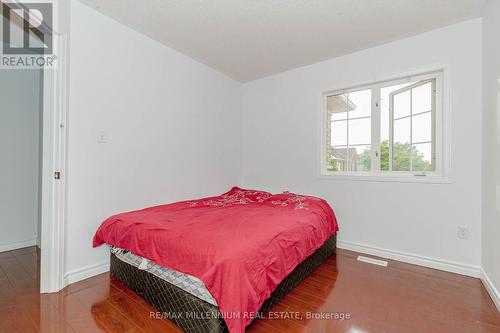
(102, 137)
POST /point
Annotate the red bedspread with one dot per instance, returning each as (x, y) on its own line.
(241, 244)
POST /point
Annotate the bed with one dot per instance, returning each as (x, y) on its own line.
(216, 264)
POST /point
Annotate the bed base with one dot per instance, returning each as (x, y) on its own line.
(194, 315)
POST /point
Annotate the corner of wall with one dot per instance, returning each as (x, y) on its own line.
(490, 288)
(490, 178)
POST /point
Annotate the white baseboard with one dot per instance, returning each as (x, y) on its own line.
(17, 245)
(490, 288)
(86, 272)
(444, 265)
(449, 266)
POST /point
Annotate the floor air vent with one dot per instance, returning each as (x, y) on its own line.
(372, 261)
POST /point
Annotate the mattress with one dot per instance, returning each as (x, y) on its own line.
(186, 282)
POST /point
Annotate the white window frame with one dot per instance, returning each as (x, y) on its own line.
(441, 132)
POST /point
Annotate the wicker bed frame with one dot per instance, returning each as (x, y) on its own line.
(194, 315)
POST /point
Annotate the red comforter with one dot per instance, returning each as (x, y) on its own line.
(241, 244)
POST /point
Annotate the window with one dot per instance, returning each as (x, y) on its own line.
(386, 128)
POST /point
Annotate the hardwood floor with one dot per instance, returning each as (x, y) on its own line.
(400, 298)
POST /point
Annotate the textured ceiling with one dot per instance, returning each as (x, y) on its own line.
(250, 39)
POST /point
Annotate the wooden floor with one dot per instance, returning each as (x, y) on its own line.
(400, 298)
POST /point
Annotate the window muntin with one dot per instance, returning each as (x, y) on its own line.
(384, 128)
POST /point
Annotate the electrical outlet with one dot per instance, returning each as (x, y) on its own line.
(463, 232)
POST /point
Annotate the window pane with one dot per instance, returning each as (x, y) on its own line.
(361, 158)
(339, 133)
(360, 103)
(384, 155)
(422, 98)
(360, 131)
(351, 159)
(401, 157)
(402, 130)
(422, 157)
(339, 160)
(337, 106)
(422, 127)
(402, 104)
(385, 94)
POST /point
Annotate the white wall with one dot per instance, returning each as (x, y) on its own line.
(280, 148)
(19, 151)
(491, 149)
(171, 125)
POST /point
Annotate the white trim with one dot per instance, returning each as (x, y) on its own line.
(444, 265)
(391, 177)
(401, 78)
(18, 244)
(55, 105)
(490, 288)
(86, 272)
(376, 128)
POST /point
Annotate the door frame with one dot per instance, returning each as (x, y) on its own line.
(54, 159)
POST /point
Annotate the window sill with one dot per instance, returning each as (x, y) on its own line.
(377, 177)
